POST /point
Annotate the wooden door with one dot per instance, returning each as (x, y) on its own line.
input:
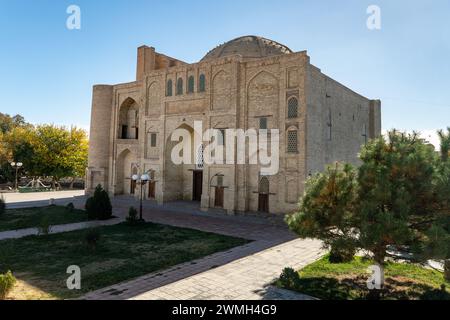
(218, 199)
(197, 186)
(132, 186)
(263, 202)
(152, 190)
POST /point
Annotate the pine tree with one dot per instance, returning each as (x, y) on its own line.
(327, 211)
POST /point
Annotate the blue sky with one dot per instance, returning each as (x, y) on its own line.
(47, 71)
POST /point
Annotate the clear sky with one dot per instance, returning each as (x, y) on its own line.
(47, 71)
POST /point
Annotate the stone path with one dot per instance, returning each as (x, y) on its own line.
(38, 199)
(247, 278)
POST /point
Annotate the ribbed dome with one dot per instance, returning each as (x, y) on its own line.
(248, 47)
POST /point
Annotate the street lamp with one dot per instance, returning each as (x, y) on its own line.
(142, 180)
(17, 166)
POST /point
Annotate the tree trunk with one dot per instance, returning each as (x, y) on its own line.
(447, 270)
(71, 183)
(379, 255)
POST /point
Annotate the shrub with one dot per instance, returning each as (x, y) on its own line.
(98, 206)
(92, 238)
(289, 278)
(44, 227)
(132, 216)
(70, 207)
(2, 205)
(7, 282)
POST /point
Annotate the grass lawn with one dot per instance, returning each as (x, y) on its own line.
(14, 219)
(122, 253)
(347, 281)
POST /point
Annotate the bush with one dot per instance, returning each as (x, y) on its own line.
(2, 205)
(92, 238)
(289, 279)
(132, 216)
(70, 207)
(98, 206)
(7, 282)
(44, 227)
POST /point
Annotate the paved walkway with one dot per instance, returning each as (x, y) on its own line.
(219, 277)
(39, 199)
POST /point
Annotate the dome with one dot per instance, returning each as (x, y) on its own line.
(248, 47)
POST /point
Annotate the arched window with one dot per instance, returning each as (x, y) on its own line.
(292, 141)
(179, 86)
(202, 83)
(292, 108)
(263, 185)
(191, 84)
(169, 88)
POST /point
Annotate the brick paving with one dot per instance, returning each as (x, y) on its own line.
(244, 273)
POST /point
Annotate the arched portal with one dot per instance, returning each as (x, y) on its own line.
(126, 166)
(182, 181)
(128, 120)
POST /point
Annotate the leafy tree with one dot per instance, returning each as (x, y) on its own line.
(17, 145)
(61, 152)
(327, 211)
(45, 150)
(7, 123)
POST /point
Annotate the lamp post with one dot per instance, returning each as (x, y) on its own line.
(17, 166)
(142, 180)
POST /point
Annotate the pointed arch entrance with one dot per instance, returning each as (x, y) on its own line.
(263, 195)
(182, 181)
(126, 164)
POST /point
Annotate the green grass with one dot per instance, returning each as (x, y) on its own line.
(124, 252)
(14, 219)
(347, 281)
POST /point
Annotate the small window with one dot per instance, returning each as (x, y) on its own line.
(202, 83)
(179, 86)
(364, 133)
(292, 108)
(292, 141)
(169, 88)
(263, 123)
(153, 140)
(191, 84)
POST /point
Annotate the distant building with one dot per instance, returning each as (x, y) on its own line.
(248, 82)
